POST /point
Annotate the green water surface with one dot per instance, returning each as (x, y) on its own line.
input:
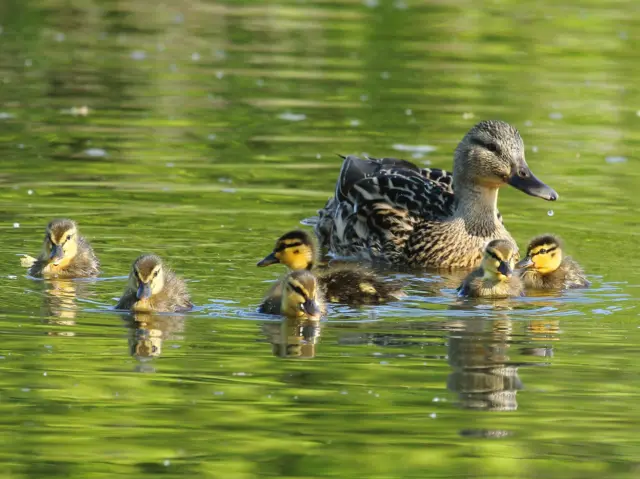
(202, 130)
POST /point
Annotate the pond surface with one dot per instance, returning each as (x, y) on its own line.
(203, 130)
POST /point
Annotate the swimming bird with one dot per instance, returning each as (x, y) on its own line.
(494, 278)
(345, 283)
(296, 296)
(546, 267)
(153, 287)
(393, 212)
(65, 253)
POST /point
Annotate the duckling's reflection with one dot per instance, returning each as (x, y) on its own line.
(148, 331)
(60, 303)
(293, 337)
(482, 374)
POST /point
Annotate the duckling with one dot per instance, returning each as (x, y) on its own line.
(393, 212)
(546, 267)
(153, 287)
(345, 283)
(65, 254)
(494, 278)
(296, 296)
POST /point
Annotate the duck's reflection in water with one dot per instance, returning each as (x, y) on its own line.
(293, 338)
(147, 332)
(482, 374)
(60, 303)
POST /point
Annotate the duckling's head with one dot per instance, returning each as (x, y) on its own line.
(544, 254)
(61, 241)
(295, 249)
(147, 276)
(499, 260)
(300, 296)
(491, 155)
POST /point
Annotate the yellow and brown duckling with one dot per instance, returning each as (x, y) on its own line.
(297, 295)
(345, 283)
(391, 211)
(153, 287)
(65, 254)
(546, 267)
(494, 278)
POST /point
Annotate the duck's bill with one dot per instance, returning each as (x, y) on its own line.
(525, 263)
(56, 254)
(531, 185)
(144, 291)
(269, 259)
(312, 308)
(505, 269)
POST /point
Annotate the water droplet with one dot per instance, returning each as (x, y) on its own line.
(366, 97)
(95, 152)
(219, 75)
(211, 137)
(408, 112)
(354, 122)
(556, 115)
(467, 115)
(260, 82)
(16, 225)
(25, 390)
(5, 115)
(138, 55)
(195, 56)
(413, 148)
(29, 192)
(433, 415)
(292, 116)
(615, 159)
(550, 213)
(318, 156)
(28, 63)
(44, 373)
(166, 463)
(371, 3)
(534, 149)
(385, 75)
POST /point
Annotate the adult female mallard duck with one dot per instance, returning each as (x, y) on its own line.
(296, 296)
(65, 254)
(546, 267)
(153, 287)
(392, 211)
(494, 278)
(345, 283)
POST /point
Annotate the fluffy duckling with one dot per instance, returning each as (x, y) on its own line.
(494, 278)
(346, 283)
(154, 287)
(296, 296)
(65, 254)
(545, 266)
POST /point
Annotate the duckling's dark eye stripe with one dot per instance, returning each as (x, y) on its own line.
(493, 255)
(283, 246)
(299, 290)
(544, 251)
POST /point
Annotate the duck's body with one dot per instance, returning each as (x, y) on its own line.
(297, 295)
(153, 287)
(494, 278)
(546, 268)
(65, 254)
(394, 212)
(345, 283)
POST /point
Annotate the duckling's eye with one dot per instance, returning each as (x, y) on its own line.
(542, 251)
(296, 251)
(68, 237)
(301, 307)
(155, 275)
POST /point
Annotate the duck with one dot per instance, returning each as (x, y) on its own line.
(65, 254)
(297, 295)
(546, 267)
(392, 212)
(346, 283)
(153, 287)
(495, 277)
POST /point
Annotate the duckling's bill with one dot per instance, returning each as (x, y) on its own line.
(268, 260)
(525, 263)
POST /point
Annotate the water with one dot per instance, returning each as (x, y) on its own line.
(203, 131)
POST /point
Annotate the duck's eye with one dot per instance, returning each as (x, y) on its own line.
(523, 173)
(492, 147)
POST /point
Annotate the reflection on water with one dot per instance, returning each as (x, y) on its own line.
(293, 337)
(147, 332)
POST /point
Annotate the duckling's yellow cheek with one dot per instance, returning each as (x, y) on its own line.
(367, 288)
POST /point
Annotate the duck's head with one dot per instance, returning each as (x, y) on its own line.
(295, 249)
(61, 241)
(492, 155)
(544, 254)
(147, 276)
(499, 260)
(300, 296)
